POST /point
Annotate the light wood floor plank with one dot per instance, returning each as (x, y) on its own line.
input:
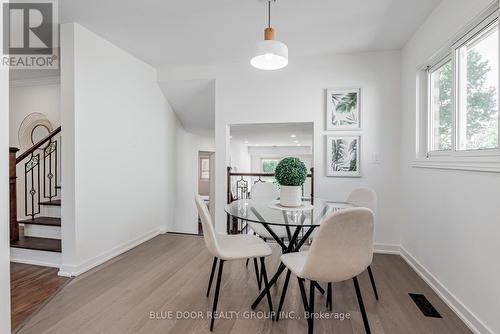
(170, 273)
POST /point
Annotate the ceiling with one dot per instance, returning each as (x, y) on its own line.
(273, 134)
(194, 103)
(169, 33)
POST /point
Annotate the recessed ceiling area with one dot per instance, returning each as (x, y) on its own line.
(170, 33)
(273, 134)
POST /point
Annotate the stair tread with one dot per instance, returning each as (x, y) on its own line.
(56, 202)
(47, 221)
(35, 243)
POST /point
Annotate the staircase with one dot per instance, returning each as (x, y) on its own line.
(36, 189)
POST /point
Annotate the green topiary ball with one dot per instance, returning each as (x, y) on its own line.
(291, 172)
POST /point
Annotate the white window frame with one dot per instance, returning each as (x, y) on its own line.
(477, 160)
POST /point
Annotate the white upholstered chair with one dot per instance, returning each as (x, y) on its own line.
(230, 247)
(341, 250)
(267, 192)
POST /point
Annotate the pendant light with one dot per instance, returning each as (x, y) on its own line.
(269, 53)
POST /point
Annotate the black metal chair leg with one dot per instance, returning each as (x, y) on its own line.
(283, 294)
(361, 305)
(216, 297)
(310, 328)
(373, 282)
(329, 297)
(319, 287)
(211, 276)
(303, 294)
(266, 283)
(257, 275)
(246, 263)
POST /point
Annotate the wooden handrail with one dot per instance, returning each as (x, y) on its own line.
(32, 149)
(256, 174)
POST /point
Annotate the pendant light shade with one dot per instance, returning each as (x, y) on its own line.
(270, 54)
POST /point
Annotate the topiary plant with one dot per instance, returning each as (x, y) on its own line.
(291, 172)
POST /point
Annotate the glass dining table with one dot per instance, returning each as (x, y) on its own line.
(299, 223)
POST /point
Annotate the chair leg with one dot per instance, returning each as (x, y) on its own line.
(283, 294)
(303, 294)
(211, 276)
(373, 282)
(216, 297)
(361, 305)
(266, 283)
(319, 287)
(257, 275)
(304, 300)
(312, 285)
(329, 297)
(246, 264)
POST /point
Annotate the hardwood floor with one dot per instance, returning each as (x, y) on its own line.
(170, 273)
(30, 287)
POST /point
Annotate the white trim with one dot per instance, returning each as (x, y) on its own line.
(35, 82)
(42, 231)
(475, 165)
(35, 257)
(386, 249)
(69, 270)
(466, 315)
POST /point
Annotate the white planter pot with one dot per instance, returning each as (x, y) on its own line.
(290, 196)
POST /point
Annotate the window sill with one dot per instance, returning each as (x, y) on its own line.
(490, 165)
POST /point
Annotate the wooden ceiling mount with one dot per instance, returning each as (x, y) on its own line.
(269, 34)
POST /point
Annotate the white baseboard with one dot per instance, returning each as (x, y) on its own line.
(469, 318)
(69, 270)
(386, 249)
(35, 257)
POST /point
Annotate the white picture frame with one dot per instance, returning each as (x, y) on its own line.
(343, 155)
(343, 109)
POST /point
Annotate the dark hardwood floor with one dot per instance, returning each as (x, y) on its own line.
(31, 286)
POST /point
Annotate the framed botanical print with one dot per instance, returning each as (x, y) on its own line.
(343, 109)
(343, 155)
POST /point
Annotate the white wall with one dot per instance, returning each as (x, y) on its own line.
(185, 185)
(25, 100)
(118, 194)
(245, 95)
(239, 157)
(4, 197)
(451, 225)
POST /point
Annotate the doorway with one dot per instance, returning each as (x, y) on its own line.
(206, 177)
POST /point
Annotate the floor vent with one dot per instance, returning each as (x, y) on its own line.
(425, 305)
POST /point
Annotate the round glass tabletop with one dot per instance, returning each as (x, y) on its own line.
(273, 214)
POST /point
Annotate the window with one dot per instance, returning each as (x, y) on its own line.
(478, 91)
(462, 95)
(440, 107)
(269, 165)
(204, 168)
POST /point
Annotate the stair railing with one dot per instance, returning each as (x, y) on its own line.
(41, 173)
(238, 187)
